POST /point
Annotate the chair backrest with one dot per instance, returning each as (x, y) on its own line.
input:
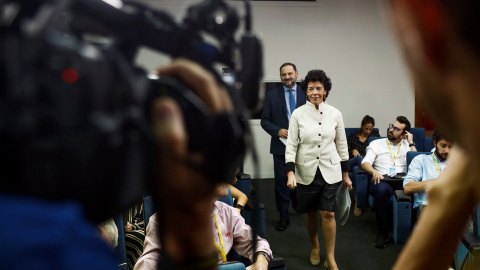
(149, 209)
(411, 155)
(428, 144)
(371, 139)
(120, 249)
(349, 131)
(227, 199)
(418, 138)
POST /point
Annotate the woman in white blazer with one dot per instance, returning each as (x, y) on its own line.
(317, 158)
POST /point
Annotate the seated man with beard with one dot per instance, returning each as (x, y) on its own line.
(425, 169)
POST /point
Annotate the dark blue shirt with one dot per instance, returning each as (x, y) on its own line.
(43, 235)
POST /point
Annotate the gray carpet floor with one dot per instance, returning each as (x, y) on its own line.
(354, 245)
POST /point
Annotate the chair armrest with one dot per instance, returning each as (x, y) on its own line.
(469, 240)
(243, 176)
(276, 263)
(251, 207)
(231, 266)
(361, 171)
(400, 196)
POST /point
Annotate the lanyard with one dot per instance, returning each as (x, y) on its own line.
(436, 164)
(220, 251)
(394, 158)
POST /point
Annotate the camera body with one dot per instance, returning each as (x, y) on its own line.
(75, 115)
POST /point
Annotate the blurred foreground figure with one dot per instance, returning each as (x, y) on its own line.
(439, 39)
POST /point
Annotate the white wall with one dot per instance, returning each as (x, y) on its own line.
(349, 39)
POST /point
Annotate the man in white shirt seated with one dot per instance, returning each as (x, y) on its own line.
(425, 169)
(387, 157)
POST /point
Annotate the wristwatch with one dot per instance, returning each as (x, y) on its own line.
(264, 254)
(412, 144)
(239, 206)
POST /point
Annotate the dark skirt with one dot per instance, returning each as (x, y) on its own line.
(319, 195)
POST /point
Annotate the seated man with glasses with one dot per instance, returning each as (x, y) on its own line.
(387, 157)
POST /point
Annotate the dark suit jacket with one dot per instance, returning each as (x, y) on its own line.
(275, 116)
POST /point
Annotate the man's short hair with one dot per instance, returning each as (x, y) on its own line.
(288, 64)
(404, 120)
(439, 134)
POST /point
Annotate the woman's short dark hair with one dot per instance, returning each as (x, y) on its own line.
(318, 75)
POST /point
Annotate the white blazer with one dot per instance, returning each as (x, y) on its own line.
(316, 138)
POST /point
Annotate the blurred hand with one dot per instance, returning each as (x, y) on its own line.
(292, 181)
(128, 227)
(355, 153)
(347, 183)
(235, 180)
(409, 137)
(377, 177)
(184, 195)
(283, 133)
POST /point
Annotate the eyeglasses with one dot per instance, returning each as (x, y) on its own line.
(390, 126)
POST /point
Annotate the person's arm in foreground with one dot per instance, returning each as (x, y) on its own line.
(451, 199)
(240, 197)
(183, 195)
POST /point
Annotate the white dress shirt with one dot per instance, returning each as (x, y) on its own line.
(380, 156)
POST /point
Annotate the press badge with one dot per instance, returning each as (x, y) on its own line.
(391, 172)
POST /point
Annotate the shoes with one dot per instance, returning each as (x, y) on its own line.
(382, 240)
(327, 267)
(315, 261)
(283, 224)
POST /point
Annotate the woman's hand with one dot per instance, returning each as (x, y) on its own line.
(292, 181)
(347, 183)
(355, 153)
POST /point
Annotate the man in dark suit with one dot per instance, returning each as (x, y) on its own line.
(275, 118)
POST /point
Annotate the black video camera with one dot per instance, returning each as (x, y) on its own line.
(74, 110)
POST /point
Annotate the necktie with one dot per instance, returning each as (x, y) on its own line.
(292, 101)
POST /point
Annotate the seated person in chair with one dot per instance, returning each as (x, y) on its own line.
(387, 156)
(357, 148)
(425, 169)
(230, 231)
